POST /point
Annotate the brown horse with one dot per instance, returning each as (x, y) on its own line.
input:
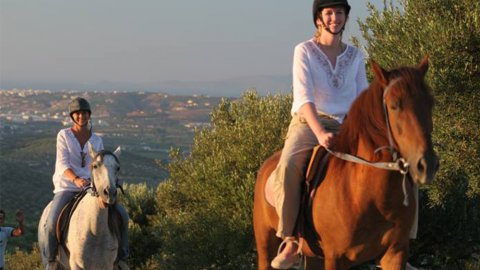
(361, 212)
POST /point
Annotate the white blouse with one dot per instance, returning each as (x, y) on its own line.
(70, 155)
(332, 90)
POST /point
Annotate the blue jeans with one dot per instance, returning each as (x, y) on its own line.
(60, 199)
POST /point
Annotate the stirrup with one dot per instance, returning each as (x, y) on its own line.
(299, 254)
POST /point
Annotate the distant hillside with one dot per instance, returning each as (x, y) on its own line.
(233, 87)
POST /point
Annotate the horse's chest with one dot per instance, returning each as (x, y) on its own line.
(96, 253)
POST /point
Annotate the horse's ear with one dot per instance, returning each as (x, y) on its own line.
(423, 66)
(93, 152)
(380, 73)
(117, 151)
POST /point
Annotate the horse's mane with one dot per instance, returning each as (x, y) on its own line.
(366, 117)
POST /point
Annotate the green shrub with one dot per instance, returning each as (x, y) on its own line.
(22, 260)
(204, 214)
(139, 201)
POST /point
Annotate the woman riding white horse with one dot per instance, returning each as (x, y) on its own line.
(72, 174)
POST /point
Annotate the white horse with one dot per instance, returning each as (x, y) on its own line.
(92, 241)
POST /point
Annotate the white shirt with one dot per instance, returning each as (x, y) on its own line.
(69, 155)
(5, 233)
(332, 90)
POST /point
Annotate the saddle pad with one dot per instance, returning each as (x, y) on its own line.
(269, 192)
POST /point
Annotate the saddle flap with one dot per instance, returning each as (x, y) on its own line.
(316, 171)
(64, 218)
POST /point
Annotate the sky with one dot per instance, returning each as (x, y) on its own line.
(154, 43)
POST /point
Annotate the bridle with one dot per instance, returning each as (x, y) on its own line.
(399, 164)
(92, 186)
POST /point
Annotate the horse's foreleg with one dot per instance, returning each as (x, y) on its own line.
(262, 259)
(394, 260)
(267, 244)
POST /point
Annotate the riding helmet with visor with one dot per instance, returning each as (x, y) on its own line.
(318, 5)
(78, 104)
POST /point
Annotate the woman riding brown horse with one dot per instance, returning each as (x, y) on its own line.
(361, 212)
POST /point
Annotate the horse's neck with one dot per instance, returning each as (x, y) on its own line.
(94, 217)
(368, 183)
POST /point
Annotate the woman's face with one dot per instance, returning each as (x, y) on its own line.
(81, 117)
(333, 18)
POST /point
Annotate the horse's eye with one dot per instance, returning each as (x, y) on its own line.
(396, 105)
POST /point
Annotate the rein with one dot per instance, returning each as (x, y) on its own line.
(399, 164)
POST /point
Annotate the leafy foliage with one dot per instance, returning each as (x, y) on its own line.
(448, 30)
(204, 209)
(139, 199)
(21, 260)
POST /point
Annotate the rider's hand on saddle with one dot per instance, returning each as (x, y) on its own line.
(80, 182)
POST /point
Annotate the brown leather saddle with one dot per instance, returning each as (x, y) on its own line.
(63, 221)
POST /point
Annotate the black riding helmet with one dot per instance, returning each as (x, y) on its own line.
(78, 104)
(318, 5)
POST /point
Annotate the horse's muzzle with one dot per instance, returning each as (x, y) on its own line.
(109, 195)
(424, 169)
